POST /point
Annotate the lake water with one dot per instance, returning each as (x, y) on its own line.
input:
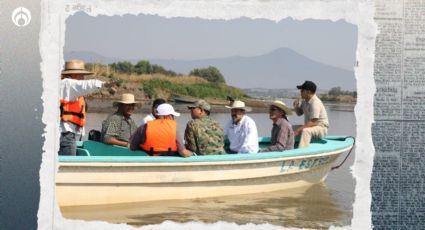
(319, 206)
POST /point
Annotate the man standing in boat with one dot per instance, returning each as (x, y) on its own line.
(118, 127)
(159, 137)
(72, 104)
(203, 135)
(241, 130)
(315, 117)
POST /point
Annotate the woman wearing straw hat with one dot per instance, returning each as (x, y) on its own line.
(241, 130)
(118, 127)
(282, 137)
(73, 87)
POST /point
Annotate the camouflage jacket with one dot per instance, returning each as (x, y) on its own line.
(204, 136)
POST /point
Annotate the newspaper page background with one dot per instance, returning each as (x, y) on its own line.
(398, 177)
(358, 12)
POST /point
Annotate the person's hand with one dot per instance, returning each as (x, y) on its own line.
(112, 90)
(297, 132)
(296, 103)
(185, 153)
(111, 86)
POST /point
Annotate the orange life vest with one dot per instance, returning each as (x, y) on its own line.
(74, 111)
(160, 137)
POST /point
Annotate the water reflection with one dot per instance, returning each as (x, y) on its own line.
(307, 207)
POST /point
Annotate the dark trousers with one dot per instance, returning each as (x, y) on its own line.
(68, 145)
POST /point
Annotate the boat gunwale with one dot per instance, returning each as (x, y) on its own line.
(339, 146)
(201, 163)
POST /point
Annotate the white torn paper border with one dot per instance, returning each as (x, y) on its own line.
(54, 14)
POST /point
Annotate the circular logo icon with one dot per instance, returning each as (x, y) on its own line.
(21, 16)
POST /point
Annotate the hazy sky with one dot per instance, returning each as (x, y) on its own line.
(154, 37)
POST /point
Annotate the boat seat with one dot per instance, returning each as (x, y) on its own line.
(95, 148)
(82, 152)
(318, 141)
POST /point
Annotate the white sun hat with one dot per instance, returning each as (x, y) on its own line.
(239, 105)
(166, 109)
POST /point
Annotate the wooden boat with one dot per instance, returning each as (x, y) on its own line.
(191, 100)
(104, 174)
(184, 100)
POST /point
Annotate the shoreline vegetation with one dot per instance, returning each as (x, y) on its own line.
(149, 81)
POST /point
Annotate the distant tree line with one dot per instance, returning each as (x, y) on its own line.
(336, 91)
(211, 74)
(141, 67)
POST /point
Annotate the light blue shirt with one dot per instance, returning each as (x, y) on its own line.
(145, 120)
(243, 137)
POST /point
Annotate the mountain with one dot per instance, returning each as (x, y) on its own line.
(281, 68)
(88, 56)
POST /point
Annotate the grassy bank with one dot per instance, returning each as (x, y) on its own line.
(151, 86)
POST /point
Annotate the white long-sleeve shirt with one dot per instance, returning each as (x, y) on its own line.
(243, 137)
(70, 90)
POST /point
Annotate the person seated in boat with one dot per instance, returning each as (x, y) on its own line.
(73, 87)
(241, 131)
(203, 135)
(282, 136)
(153, 114)
(118, 127)
(159, 137)
(230, 99)
(315, 117)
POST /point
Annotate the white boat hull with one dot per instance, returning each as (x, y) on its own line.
(111, 183)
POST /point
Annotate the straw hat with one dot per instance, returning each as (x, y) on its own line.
(166, 109)
(239, 105)
(75, 67)
(126, 98)
(282, 106)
